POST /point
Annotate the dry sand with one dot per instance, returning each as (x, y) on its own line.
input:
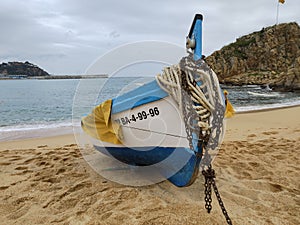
(46, 181)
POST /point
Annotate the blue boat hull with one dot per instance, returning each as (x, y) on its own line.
(157, 156)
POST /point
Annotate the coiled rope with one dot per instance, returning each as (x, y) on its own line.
(171, 82)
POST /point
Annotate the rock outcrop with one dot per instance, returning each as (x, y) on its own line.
(270, 56)
(20, 68)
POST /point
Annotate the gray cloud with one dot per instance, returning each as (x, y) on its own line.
(65, 36)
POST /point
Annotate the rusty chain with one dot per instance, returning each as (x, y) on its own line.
(191, 118)
(210, 176)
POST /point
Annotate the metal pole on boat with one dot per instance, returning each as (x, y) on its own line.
(198, 38)
(194, 39)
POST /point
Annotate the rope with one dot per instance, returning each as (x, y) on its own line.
(182, 80)
(170, 81)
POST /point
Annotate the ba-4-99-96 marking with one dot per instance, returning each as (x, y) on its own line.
(142, 115)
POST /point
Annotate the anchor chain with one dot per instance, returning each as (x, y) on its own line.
(213, 135)
(210, 176)
(204, 139)
(202, 109)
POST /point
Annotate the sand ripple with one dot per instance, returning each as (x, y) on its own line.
(258, 179)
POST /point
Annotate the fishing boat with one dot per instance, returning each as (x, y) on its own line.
(174, 123)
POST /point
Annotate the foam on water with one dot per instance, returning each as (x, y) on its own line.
(26, 131)
(266, 107)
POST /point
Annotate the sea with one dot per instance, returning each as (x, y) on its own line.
(37, 108)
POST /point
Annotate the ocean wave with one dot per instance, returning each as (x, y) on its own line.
(25, 131)
(265, 94)
(36, 126)
(250, 108)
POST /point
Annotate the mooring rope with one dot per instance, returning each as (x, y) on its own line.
(170, 81)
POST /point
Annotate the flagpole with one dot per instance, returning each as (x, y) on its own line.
(277, 12)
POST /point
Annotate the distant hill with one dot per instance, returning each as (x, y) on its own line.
(20, 68)
(269, 56)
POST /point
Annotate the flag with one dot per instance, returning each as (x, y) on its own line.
(229, 111)
(281, 1)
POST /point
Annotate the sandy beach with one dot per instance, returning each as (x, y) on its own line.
(46, 181)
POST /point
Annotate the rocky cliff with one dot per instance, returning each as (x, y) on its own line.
(270, 56)
(20, 68)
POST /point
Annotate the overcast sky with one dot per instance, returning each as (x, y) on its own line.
(66, 36)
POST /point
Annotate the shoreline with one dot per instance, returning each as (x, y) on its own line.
(243, 121)
(32, 133)
(268, 109)
(63, 129)
(56, 77)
